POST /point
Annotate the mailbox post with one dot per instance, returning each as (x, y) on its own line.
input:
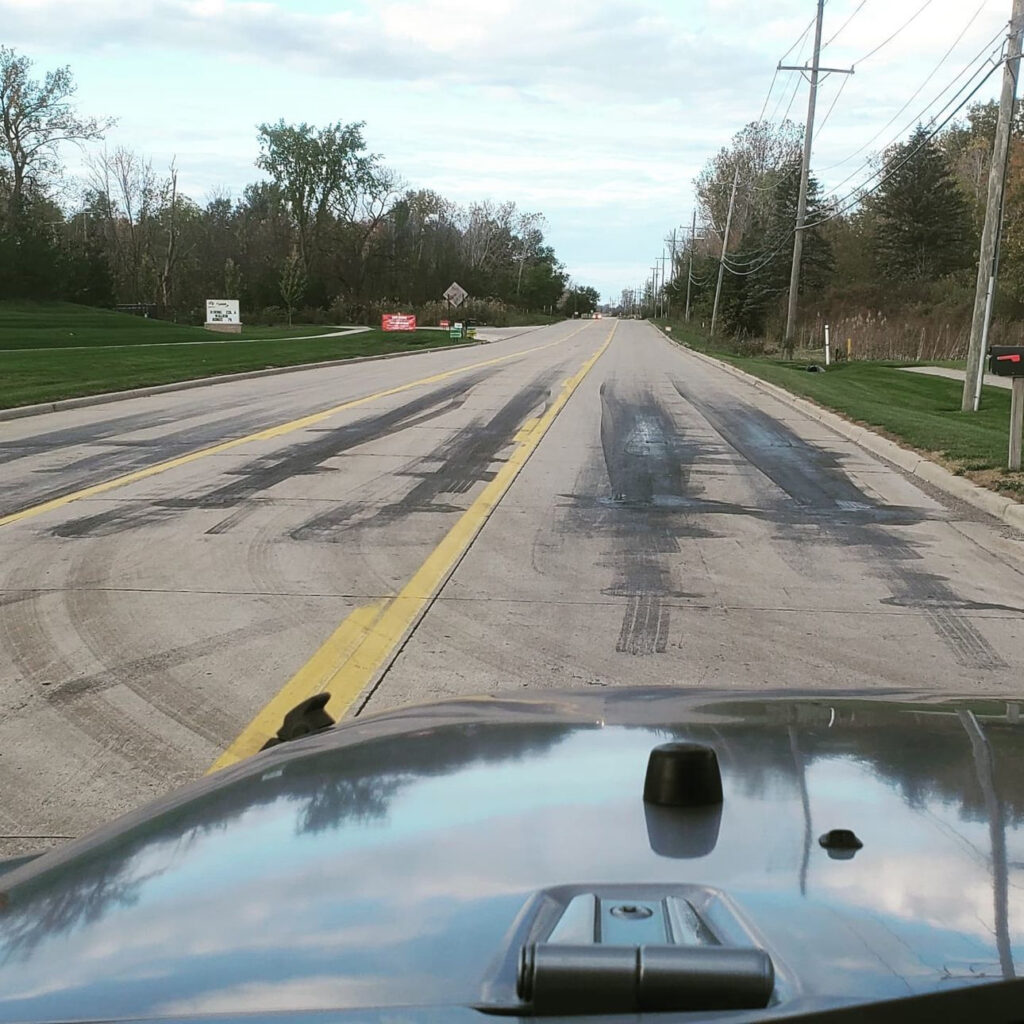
(1008, 361)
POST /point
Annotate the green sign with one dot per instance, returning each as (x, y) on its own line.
(455, 331)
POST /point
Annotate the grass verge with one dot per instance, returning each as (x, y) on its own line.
(31, 325)
(917, 411)
(46, 375)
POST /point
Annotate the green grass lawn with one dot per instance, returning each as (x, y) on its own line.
(46, 375)
(27, 325)
(916, 410)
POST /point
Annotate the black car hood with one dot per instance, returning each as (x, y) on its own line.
(385, 862)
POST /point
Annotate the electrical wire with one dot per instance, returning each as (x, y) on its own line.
(917, 92)
(859, 194)
(764, 263)
(799, 42)
(889, 39)
(768, 95)
(917, 120)
(796, 89)
(832, 37)
(801, 37)
(835, 100)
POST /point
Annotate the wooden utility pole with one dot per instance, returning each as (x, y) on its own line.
(662, 259)
(671, 274)
(725, 244)
(805, 172)
(689, 270)
(988, 259)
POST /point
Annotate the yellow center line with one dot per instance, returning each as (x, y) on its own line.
(267, 434)
(362, 647)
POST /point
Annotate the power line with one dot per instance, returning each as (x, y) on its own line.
(917, 92)
(835, 100)
(917, 120)
(885, 42)
(859, 194)
(844, 24)
(800, 38)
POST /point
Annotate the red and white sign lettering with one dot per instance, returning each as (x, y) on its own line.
(443, 323)
(397, 322)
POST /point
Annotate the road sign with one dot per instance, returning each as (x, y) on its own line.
(456, 294)
(397, 322)
(456, 330)
(444, 323)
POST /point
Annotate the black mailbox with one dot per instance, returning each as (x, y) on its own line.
(1006, 360)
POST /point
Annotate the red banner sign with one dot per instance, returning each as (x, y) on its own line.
(443, 323)
(397, 322)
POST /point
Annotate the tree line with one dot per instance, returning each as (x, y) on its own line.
(329, 232)
(894, 264)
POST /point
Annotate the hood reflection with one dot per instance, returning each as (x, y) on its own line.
(394, 866)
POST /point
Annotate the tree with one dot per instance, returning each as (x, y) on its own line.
(35, 118)
(922, 224)
(320, 173)
(763, 153)
(232, 279)
(292, 283)
(579, 299)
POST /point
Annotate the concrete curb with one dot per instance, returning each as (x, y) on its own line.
(18, 412)
(1006, 509)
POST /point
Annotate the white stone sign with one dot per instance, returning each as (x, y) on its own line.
(223, 315)
(222, 311)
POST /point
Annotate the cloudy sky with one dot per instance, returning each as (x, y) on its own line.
(598, 113)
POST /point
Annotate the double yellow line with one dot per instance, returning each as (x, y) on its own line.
(362, 647)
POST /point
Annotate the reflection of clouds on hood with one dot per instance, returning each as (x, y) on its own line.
(324, 992)
(935, 891)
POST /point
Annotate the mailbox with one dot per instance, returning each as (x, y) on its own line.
(1006, 360)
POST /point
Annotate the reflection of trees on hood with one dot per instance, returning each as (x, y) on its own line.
(925, 754)
(332, 788)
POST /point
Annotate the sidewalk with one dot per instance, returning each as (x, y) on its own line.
(943, 371)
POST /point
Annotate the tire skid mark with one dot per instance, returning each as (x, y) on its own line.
(820, 490)
(454, 467)
(649, 491)
(260, 474)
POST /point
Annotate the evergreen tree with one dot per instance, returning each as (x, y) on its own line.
(922, 224)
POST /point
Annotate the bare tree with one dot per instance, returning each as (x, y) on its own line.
(128, 194)
(35, 118)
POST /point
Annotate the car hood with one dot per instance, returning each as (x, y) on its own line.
(387, 862)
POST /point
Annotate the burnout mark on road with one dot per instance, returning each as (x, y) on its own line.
(458, 464)
(822, 492)
(647, 469)
(259, 475)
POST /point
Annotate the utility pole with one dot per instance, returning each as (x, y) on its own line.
(664, 294)
(654, 291)
(988, 259)
(725, 243)
(689, 269)
(672, 274)
(805, 171)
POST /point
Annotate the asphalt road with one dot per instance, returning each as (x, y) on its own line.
(477, 526)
